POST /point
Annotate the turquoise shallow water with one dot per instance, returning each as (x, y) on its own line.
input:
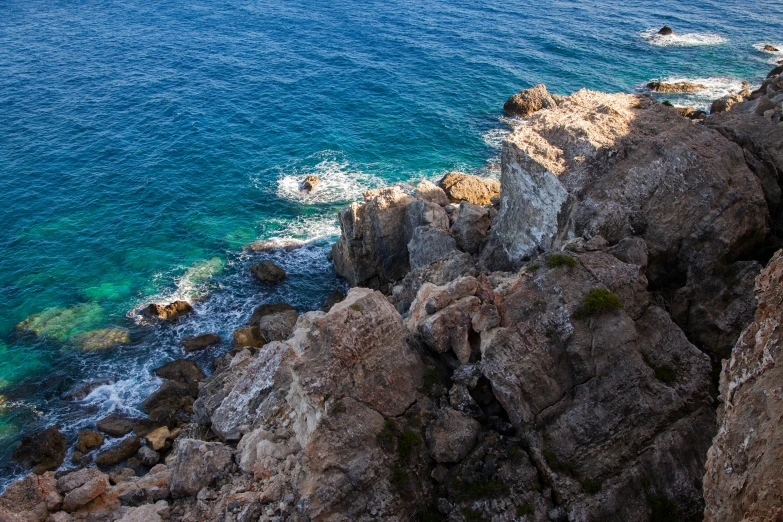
(142, 145)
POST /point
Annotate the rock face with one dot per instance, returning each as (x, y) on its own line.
(197, 343)
(621, 166)
(743, 479)
(526, 102)
(197, 464)
(472, 189)
(44, 451)
(675, 87)
(268, 272)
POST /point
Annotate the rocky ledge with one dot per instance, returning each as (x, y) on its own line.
(542, 349)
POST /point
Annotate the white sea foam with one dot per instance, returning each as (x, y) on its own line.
(774, 56)
(715, 87)
(681, 39)
(339, 181)
(494, 137)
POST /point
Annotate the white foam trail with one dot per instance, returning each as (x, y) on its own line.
(774, 56)
(652, 37)
(494, 137)
(715, 87)
(339, 182)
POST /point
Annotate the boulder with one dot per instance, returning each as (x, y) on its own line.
(184, 371)
(450, 328)
(268, 272)
(248, 337)
(115, 425)
(725, 103)
(197, 343)
(44, 450)
(742, 480)
(528, 101)
(168, 401)
(428, 191)
(157, 512)
(148, 456)
(428, 245)
(170, 312)
(676, 87)
(81, 487)
(666, 31)
(126, 449)
(278, 327)
(332, 299)
(30, 499)
(82, 390)
(770, 48)
(268, 309)
(451, 437)
(309, 183)
(471, 227)
(372, 249)
(197, 465)
(473, 189)
(88, 440)
(156, 439)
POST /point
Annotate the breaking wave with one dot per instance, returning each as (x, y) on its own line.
(681, 39)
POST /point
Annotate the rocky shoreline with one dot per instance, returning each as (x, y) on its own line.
(552, 346)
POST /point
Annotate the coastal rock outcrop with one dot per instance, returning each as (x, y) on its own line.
(528, 101)
(44, 450)
(197, 343)
(675, 87)
(743, 480)
(472, 189)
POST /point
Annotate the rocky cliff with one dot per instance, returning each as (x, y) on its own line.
(540, 350)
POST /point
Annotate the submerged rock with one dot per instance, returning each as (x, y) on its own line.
(528, 101)
(271, 245)
(44, 450)
(82, 390)
(102, 339)
(197, 343)
(268, 272)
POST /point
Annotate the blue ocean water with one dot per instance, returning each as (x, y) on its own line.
(144, 144)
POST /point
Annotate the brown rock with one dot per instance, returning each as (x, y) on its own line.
(119, 453)
(248, 337)
(197, 464)
(528, 101)
(181, 370)
(88, 440)
(169, 312)
(452, 435)
(675, 87)
(157, 439)
(172, 397)
(770, 48)
(44, 450)
(115, 425)
(268, 272)
(278, 327)
(268, 309)
(309, 183)
(30, 499)
(666, 31)
(472, 189)
(81, 487)
(428, 191)
(332, 299)
(199, 342)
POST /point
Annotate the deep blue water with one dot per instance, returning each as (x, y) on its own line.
(143, 144)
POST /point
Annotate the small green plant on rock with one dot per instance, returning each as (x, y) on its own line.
(399, 476)
(434, 376)
(558, 260)
(663, 372)
(556, 465)
(598, 301)
(387, 435)
(406, 442)
(524, 510)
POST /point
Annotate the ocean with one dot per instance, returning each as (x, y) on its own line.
(144, 145)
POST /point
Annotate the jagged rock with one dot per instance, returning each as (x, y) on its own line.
(586, 385)
(181, 370)
(770, 48)
(82, 390)
(170, 403)
(88, 440)
(30, 499)
(156, 439)
(197, 343)
(450, 328)
(372, 249)
(309, 183)
(115, 425)
(666, 31)
(121, 475)
(471, 227)
(44, 450)
(456, 265)
(422, 213)
(675, 87)
(279, 326)
(428, 191)
(148, 456)
(81, 487)
(170, 312)
(473, 189)
(197, 464)
(725, 103)
(429, 245)
(157, 512)
(526, 102)
(743, 480)
(452, 435)
(332, 299)
(126, 449)
(630, 170)
(267, 272)
(485, 318)
(248, 337)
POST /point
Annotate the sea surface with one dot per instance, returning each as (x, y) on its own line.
(144, 145)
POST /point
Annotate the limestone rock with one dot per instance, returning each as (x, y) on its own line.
(528, 101)
(268, 272)
(44, 450)
(170, 312)
(30, 499)
(126, 449)
(450, 328)
(248, 337)
(263, 310)
(80, 487)
(452, 435)
(115, 425)
(675, 87)
(197, 343)
(279, 326)
(309, 183)
(428, 191)
(148, 456)
(157, 438)
(473, 189)
(725, 103)
(743, 480)
(184, 371)
(88, 440)
(197, 464)
(429, 245)
(332, 299)
(471, 227)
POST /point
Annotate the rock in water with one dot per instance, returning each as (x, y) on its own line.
(309, 183)
(44, 451)
(675, 87)
(770, 48)
(472, 189)
(88, 440)
(197, 343)
(115, 425)
(119, 453)
(268, 309)
(102, 339)
(248, 337)
(181, 370)
(666, 31)
(743, 480)
(528, 101)
(268, 272)
(170, 312)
